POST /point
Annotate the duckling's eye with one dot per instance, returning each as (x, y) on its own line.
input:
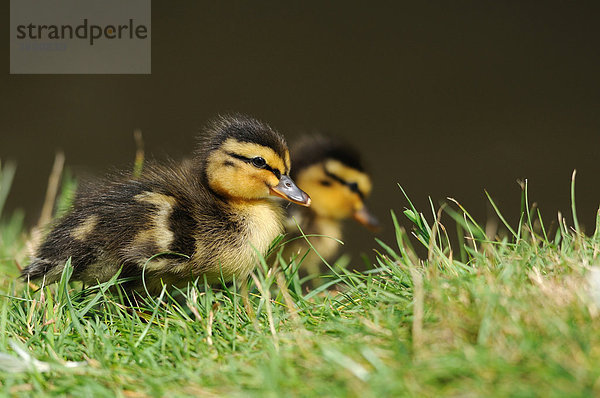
(259, 162)
(325, 183)
(353, 186)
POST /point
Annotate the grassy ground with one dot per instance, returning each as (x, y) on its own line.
(511, 316)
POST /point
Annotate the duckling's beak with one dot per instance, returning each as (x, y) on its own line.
(288, 190)
(364, 217)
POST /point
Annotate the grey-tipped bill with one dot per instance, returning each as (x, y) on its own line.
(367, 219)
(288, 190)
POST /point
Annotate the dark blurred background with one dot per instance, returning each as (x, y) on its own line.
(445, 98)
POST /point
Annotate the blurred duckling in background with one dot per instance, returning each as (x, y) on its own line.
(332, 173)
(209, 217)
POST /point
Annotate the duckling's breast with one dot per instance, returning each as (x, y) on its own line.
(253, 227)
(323, 233)
(327, 244)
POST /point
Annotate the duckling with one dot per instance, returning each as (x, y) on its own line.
(332, 172)
(208, 217)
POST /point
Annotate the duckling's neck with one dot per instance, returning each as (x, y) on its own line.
(198, 168)
(263, 214)
(259, 221)
(312, 223)
(328, 227)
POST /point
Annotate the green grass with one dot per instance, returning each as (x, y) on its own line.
(491, 316)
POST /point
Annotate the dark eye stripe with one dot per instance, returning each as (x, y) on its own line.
(276, 172)
(352, 185)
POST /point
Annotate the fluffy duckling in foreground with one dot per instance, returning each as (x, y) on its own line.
(209, 216)
(332, 173)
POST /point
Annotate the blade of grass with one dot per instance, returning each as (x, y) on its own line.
(506, 224)
(573, 207)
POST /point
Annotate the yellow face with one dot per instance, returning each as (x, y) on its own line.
(245, 170)
(337, 191)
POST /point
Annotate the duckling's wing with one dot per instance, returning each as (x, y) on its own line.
(103, 220)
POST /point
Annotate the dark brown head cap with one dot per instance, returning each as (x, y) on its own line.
(243, 129)
(318, 148)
